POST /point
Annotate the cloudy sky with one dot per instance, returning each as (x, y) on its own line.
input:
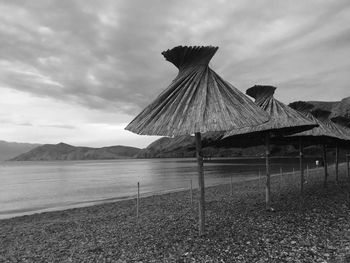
(79, 71)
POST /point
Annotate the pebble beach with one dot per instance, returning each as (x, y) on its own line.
(312, 228)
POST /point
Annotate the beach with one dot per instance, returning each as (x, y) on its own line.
(315, 228)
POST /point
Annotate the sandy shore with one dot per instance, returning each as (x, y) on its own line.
(313, 229)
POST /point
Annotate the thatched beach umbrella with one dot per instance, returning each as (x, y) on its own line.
(343, 124)
(342, 143)
(284, 120)
(327, 133)
(197, 101)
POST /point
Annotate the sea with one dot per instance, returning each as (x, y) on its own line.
(34, 187)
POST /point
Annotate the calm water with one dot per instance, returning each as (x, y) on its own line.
(31, 187)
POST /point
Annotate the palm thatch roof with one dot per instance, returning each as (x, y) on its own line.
(198, 100)
(284, 120)
(327, 131)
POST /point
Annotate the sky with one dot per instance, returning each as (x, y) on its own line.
(78, 71)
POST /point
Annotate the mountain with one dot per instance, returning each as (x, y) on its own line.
(325, 105)
(9, 150)
(63, 151)
(340, 110)
(184, 146)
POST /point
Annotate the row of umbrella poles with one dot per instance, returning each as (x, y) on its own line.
(199, 101)
(327, 134)
(283, 122)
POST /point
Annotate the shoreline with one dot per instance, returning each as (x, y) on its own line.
(238, 229)
(62, 207)
(207, 158)
(87, 203)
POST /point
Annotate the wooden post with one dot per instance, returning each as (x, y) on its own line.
(231, 184)
(268, 182)
(301, 157)
(259, 182)
(201, 184)
(307, 173)
(191, 192)
(336, 164)
(138, 201)
(347, 166)
(325, 164)
(348, 174)
(281, 175)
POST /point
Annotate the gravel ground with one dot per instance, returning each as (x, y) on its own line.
(315, 228)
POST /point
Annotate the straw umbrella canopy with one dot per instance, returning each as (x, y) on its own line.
(197, 101)
(284, 120)
(327, 132)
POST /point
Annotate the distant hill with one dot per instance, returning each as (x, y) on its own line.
(184, 146)
(342, 110)
(63, 151)
(339, 109)
(325, 105)
(9, 150)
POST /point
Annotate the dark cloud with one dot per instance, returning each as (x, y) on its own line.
(106, 54)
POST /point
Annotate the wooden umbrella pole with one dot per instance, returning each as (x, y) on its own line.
(268, 183)
(347, 166)
(201, 184)
(325, 164)
(348, 172)
(336, 164)
(138, 201)
(301, 157)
